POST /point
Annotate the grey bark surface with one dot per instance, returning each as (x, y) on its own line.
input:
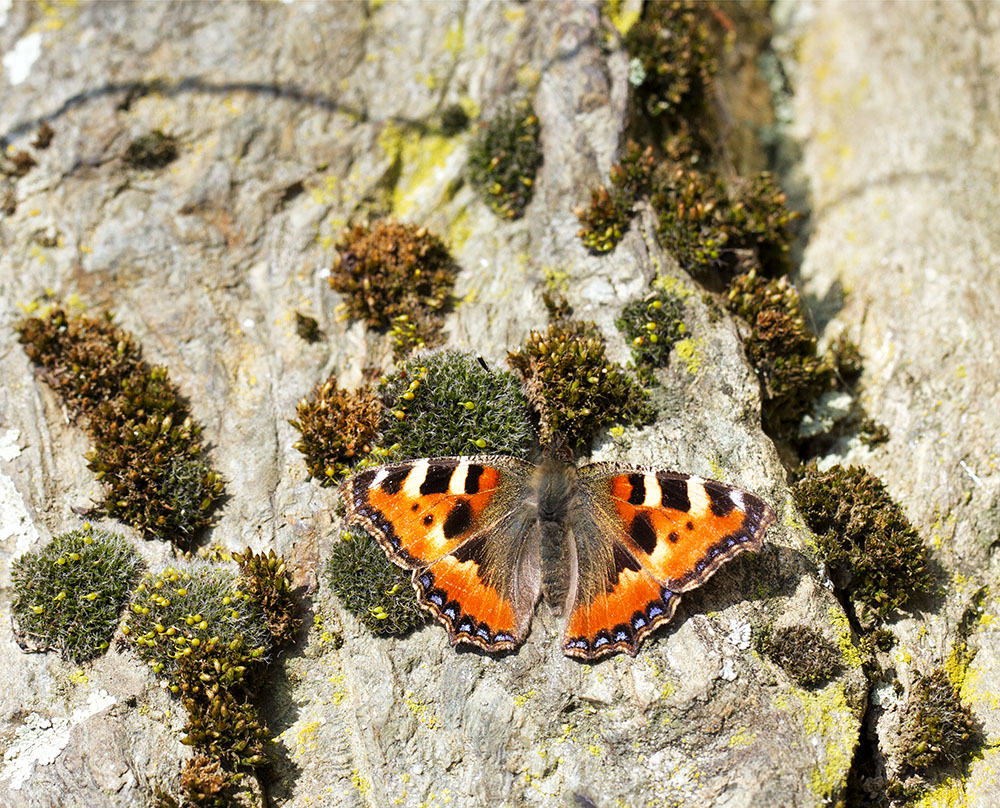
(897, 111)
(294, 119)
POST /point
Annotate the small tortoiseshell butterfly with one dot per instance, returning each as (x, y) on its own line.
(609, 546)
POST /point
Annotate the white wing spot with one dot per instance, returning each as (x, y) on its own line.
(737, 497)
(653, 491)
(697, 495)
(457, 483)
(415, 479)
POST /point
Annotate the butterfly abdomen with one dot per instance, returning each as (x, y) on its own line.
(556, 485)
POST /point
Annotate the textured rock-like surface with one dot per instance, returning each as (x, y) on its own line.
(898, 113)
(293, 119)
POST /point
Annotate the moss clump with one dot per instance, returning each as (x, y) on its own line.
(148, 451)
(307, 327)
(782, 349)
(68, 595)
(452, 403)
(209, 632)
(192, 611)
(504, 159)
(371, 587)
(805, 655)
(266, 581)
(572, 386)
(43, 136)
(205, 784)
(873, 433)
(390, 274)
(936, 728)
(706, 225)
(870, 549)
(152, 150)
(17, 164)
(652, 326)
(337, 428)
(454, 119)
(603, 224)
(672, 59)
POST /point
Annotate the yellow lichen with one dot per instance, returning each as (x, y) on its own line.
(826, 714)
(741, 738)
(622, 15)
(421, 158)
(843, 638)
(420, 710)
(672, 286)
(362, 784)
(523, 698)
(689, 352)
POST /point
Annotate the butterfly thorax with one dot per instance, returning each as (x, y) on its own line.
(555, 486)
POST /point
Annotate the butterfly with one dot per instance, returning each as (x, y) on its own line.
(610, 547)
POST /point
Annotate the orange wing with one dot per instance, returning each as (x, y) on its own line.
(459, 523)
(643, 537)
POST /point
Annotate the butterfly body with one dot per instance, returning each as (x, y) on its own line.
(609, 547)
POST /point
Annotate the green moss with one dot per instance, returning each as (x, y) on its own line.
(652, 326)
(454, 119)
(805, 655)
(196, 610)
(68, 595)
(371, 587)
(845, 356)
(265, 579)
(672, 59)
(451, 403)
(706, 225)
(605, 221)
(870, 549)
(504, 159)
(152, 150)
(307, 327)
(148, 450)
(936, 728)
(782, 349)
(337, 428)
(209, 632)
(603, 224)
(572, 386)
(556, 305)
(392, 274)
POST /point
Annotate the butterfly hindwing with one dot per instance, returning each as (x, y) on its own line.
(461, 525)
(645, 535)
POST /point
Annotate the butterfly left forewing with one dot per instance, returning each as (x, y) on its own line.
(460, 524)
(648, 535)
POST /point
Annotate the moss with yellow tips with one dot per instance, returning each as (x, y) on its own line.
(69, 594)
(572, 385)
(453, 403)
(504, 159)
(337, 428)
(371, 587)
